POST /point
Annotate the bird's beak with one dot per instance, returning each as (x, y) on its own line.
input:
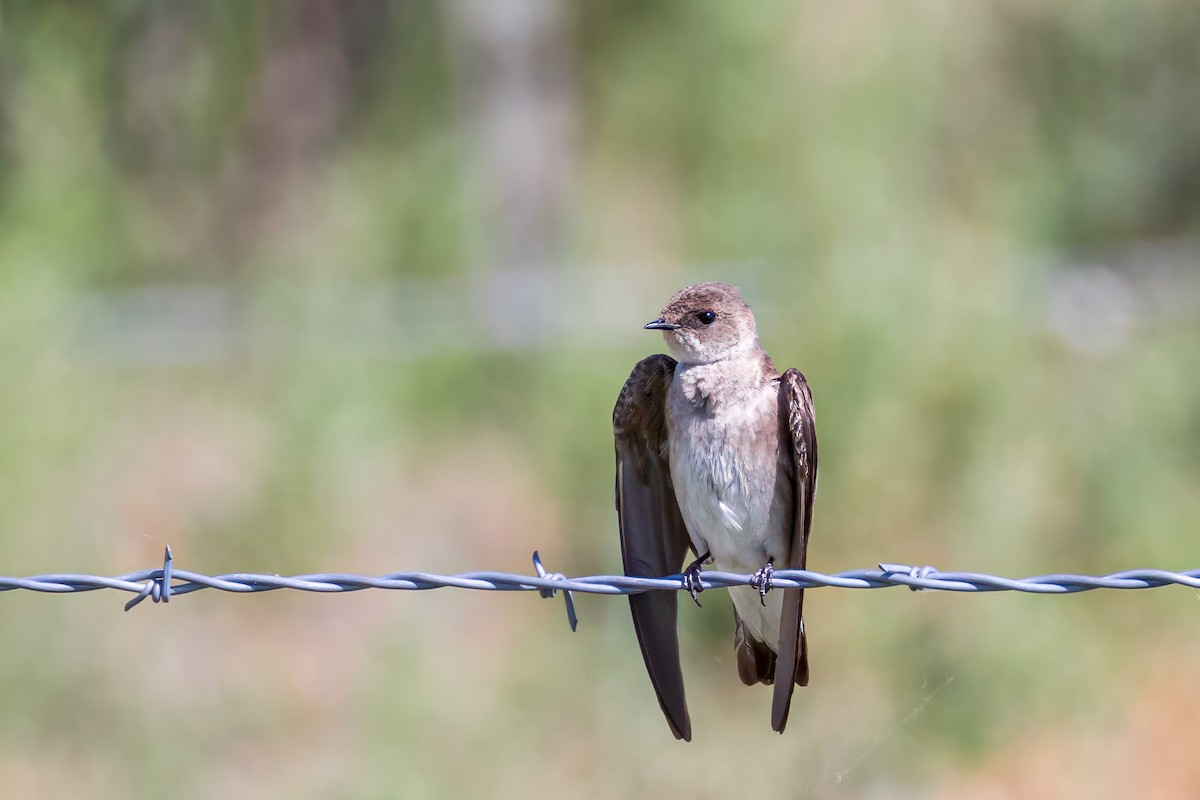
(661, 324)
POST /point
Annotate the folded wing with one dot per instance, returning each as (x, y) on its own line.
(800, 434)
(654, 539)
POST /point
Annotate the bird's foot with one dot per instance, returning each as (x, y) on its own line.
(763, 581)
(691, 578)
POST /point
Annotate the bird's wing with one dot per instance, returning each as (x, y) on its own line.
(799, 433)
(654, 538)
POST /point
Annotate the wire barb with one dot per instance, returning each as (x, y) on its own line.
(547, 593)
(919, 573)
(157, 587)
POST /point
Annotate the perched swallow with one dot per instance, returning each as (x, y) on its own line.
(716, 451)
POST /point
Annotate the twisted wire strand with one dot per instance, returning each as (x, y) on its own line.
(165, 582)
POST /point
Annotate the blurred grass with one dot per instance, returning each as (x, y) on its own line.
(902, 194)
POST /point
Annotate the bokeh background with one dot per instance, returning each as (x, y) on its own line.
(353, 286)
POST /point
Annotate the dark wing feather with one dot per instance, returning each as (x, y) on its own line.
(800, 433)
(654, 538)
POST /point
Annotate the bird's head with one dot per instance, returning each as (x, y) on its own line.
(707, 322)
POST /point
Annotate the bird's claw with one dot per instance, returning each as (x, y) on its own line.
(691, 579)
(763, 581)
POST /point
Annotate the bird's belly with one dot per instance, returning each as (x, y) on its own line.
(726, 470)
(727, 498)
(712, 520)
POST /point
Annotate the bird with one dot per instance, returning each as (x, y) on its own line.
(716, 452)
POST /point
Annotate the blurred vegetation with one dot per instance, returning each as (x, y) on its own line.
(326, 286)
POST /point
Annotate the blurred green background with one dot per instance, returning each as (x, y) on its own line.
(353, 286)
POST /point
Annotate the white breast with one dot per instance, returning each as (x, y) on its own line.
(724, 464)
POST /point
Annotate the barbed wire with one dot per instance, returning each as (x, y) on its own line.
(163, 583)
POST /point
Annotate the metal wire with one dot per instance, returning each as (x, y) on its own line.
(160, 584)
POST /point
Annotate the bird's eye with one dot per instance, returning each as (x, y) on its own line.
(706, 317)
